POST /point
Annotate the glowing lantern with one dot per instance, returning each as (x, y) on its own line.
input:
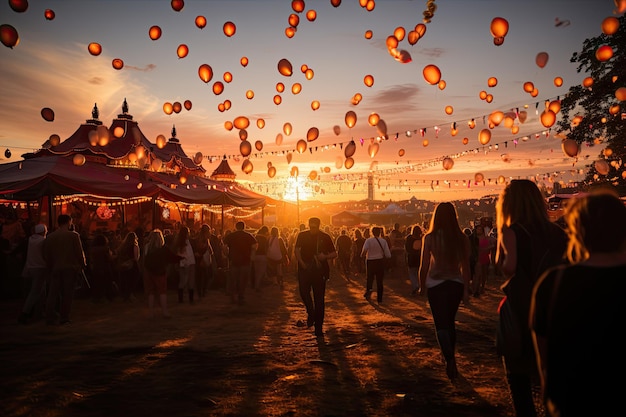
(413, 37)
(604, 53)
(229, 29)
(249, 94)
(218, 88)
(277, 99)
(541, 59)
(620, 94)
(312, 175)
(496, 117)
(177, 5)
(271, 172)
(177, 107)
(570, 147)
(156, 164)
(117, 63)
(508, 121)
(301, 146)
(49, 14)
(548, 117)
(315, 105)
(448, 163)
(294, 20)
(168, 108)
(290, 31)
(48, 114)
(350, 119)
(118, 132)
(155, 32)
(309, 74)
(182, 50)
(484, 136)
(515, 129)
(555, 106)
(381, 128)
(18, 6)
(420, 28)
(392, 42)
(78, 160)
(337, 130)
(482, 95)
(182, 179)
(425, 143)
(373, 119)
(479, 177)
(294, 171)
(601, 166)
(529, 87)
(432, 74)
(312, 134)
(441, 85)
(368, 80)
(311, 15)
(492, 81)
(187, 105)
(228, 125)
(356, 99)
(372, 149)
(54, 139)
(197, 158)
(161, 141)
(241, 122)
(243, 134)
(449, 110)
(9, 36)
(247, 166)
(576, 120)
(285, 68)
(287, 128)
(258, 145)
(205, 72)
(350, 149)
(613, 110)
(260, 123)
(94, 48)
(465, 141)
(280, 87)
(368, 34)
(499, 27)
(610, 25)
(399, 33)
(522, 116)
(608, 152)
(289, 157)
(349, 163)
(296, 88)
(245, 148)
(279, 139)
(401, 152)
(558, 81)
(587, 82)
(501, 179)
(297, 6)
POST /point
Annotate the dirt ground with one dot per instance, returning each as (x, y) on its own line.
(215, 358)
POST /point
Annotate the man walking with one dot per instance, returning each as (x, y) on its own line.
(240, 246)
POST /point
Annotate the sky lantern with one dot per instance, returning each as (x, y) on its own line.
(156, 164)
(294, 171)
(492, 82)
(229, 29)
(432, 74)
(200, 22)
(337, 130)
(271, 171)
(465, 141)
(260, 123)
(350, 119)
(177, 107)
(441, 85)
(381, 128)
(514, 129)
(499, 28)
(48, 114)
(54, 139)
(391, 42)
(349, 163)
(413, 37)
(277, 99)
(9, 36)
(370, 5)
(249, 94)
(496, 117)
(601, 166)
(227, 104)
(482, 95)
(548, 117)
(311, 15)
(399, 33)
(118, 132)
(529, 86)
(155, 32)
(558, 81)
(94, 48)
(541, 59)
(241, 122)
(280, 87)
(312, 175)
(484, 136)
(425, 143)
(18, 6)
(78, 159)
(610, 25)
(489, 98)
(604, 53)
(161, 141)
(49, 14)
(258, 145)
(368, 34)
(218, 88)
(401, 152)
(570, 147)
(182, 51)
(620, 94)
(243, 134)
(447, 163)
(368, 80)
(312, 134)
(247, 166)
(373, 119)
(555, 106)
(287, 128)
(187, 105)
(245, 148)
(350, 149)
(309, 74)
(420, 28)
(587, 82)
(576, 120)
(449, 110)
(279, 139)
(117, 64)
(356, 99)
(285, 68)
(177, 5)
(301, 146)
(479, 177)
(522, 116)
(372, 149)
(294, 20)
(297, 6)
(471, 123)
(93, 137)
(335, 3)
(315, 105)
(290, 31)
(296, 88)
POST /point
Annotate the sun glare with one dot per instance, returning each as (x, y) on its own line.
(296, 189)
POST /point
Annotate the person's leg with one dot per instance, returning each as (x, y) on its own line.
(415, 285)
(520, 387)
(53, 298)
(369, 274)
(191, 281)
(37, 289)
(319, 292)
(444, 300)
(305, 287)
(68, 284)
(380, 273)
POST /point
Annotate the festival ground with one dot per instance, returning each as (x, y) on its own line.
(215, 358)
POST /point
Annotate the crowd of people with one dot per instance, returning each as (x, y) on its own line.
(547, 345)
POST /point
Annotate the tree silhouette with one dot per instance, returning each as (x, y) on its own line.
(593, 116)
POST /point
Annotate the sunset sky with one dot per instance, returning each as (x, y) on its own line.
(52, 67)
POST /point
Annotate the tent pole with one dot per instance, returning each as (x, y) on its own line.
(154, 213)
(222, 219)
(50, 217)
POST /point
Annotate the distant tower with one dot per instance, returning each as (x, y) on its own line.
(370, 186)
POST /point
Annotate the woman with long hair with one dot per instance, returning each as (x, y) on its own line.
(157, 257)
(530, 243)
(128, 254)
(186, 266)
(445, 277)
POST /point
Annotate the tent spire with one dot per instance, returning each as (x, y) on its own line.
(95, 113)
(124, 106)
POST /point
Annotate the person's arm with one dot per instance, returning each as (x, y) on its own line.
(424, 264)
(509, 247)
(330, 253)
(465, 270)
(136, 252)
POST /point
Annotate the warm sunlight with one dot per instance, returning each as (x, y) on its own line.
(297, 189)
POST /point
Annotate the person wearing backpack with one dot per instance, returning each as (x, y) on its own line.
(529, 243)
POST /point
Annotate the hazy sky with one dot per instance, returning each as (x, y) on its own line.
(51, 67)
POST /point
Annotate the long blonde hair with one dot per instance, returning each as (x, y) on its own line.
(448, 240)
